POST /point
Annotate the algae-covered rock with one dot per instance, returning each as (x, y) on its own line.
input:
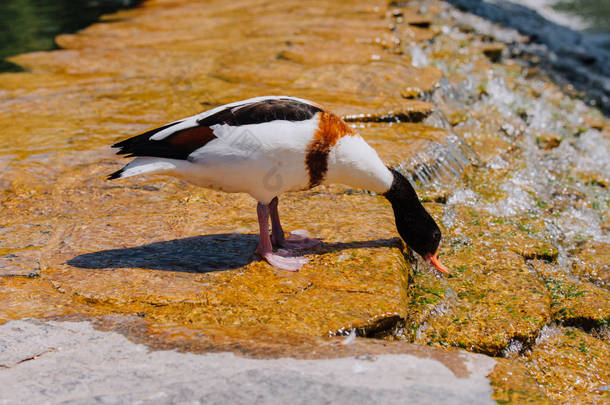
(513, 384)
(593, 263)
(492, 296)
(573, 302)
(548, 140)
(570, 365)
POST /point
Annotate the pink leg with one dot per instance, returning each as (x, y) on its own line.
(277, 233)
(264, 244)
(298, 239)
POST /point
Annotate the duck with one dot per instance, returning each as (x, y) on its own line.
(266, 146)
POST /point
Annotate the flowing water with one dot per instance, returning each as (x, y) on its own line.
(575, 57)
(542, 175)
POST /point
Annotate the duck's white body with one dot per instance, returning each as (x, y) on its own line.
(268, 158)
(266, 146)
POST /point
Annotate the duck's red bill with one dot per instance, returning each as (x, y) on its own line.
(433, 259)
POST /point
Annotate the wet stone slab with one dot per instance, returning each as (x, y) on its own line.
(171, 253)
(186, 256)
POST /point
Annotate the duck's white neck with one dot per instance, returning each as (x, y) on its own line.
(354, 163)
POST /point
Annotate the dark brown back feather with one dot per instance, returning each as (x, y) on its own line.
(178, 145)
(262, 111)
(182, 143)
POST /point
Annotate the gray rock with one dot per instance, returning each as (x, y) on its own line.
(72, 363)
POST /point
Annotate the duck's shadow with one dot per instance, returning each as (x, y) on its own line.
(200, 254)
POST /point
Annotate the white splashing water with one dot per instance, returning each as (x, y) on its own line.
(514, 347)
(497, 163)
(351, 338)
(518, 199)
(595, 152)
(462, 196)
(581, 223)
(547, 332)
(543, 175)
(418, 57)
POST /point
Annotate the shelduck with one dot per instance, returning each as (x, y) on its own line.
(265, 146)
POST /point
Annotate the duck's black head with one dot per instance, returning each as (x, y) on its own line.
(415, 226)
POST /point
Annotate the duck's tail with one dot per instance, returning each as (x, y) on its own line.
(143, 165)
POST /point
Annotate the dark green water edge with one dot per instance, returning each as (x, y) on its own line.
(31, 25)
(596, 13)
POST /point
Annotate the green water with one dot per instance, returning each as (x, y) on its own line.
(31, 25)
(596, 13)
